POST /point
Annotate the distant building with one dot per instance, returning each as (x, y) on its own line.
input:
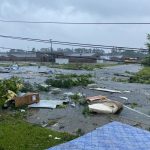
(83, 57)
(49, 56)
(23, 57)
(4, 56)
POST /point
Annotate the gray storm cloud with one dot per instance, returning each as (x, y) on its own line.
(76, 11)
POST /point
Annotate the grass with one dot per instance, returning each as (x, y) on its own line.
(78, 66)
(16, 134)
(143, 76)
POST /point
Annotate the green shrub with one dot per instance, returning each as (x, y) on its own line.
(69, 80)
(146, 61)
(13, 84)
(143, 76)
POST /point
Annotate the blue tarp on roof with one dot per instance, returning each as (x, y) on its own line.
(113, 136)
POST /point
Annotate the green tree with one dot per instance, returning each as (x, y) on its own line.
(146, 60)
(148, 44)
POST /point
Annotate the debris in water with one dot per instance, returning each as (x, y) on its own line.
(125, 98)
(105, 90)
(48, 104)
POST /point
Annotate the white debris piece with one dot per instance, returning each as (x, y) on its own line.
(55, 90)
(105, 107)
(57, 138)
(125, 98)
(44, 125)
(50, 135)
(47, 104)
(105, 90)
(22, 110)
(68, 94)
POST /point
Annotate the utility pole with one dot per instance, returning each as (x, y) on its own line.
(51, 45)
(51, 49)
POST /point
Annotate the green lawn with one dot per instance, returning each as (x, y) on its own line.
(16, 134)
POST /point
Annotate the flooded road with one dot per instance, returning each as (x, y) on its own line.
(71, 119)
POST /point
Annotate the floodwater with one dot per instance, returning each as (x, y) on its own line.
(71, 119)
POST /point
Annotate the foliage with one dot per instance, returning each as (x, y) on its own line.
(86, 111)
(79, 66)
(75, 98)
(148, 44)
(119, 79)
(16, 134)
(68, 81)
(143, 76)
(62, 106)
(13, 84)
(133, 105)
(146, 61)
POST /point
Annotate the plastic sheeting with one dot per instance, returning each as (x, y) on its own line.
(113, 136)
(47, 104)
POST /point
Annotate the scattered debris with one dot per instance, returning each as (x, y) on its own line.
(55, 90)
(73, 104)
(45, 85)
(105, 90)
(126, 91)
(68, 94)
(101, 104)
(14, 67)
(105, 107)
(125, 98)
(50, 136)
(44, 125)
(96, 99)
(26, 99)
(57, 138)
(22, 110)
(48, 104)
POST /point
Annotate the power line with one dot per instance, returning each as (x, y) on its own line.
(73, 44)
(74, 23)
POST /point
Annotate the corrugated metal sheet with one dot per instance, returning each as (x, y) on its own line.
(113, 136)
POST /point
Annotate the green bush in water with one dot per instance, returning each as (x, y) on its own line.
(146, 61)
(13, 84)
(70, 80)
(143, 76)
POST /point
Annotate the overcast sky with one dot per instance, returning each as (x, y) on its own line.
(76, 11)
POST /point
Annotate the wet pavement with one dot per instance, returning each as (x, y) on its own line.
(71, 119)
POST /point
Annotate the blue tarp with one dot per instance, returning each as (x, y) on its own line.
(113, 136)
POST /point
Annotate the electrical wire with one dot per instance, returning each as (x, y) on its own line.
(73, 44)
(75, 23)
